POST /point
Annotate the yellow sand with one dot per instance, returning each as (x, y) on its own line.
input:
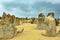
(31, 33)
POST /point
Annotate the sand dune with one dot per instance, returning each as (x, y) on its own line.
(31, 33)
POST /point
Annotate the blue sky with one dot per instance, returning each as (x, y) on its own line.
(29, 8)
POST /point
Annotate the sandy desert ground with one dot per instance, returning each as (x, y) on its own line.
(31, 33)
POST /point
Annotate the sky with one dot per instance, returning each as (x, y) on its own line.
(30, 8)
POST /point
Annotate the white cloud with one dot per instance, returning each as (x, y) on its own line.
(1, 9)
(24, 7)
(52, 1)
(2, 1)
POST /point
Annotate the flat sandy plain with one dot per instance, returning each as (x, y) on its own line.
(31, 33)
